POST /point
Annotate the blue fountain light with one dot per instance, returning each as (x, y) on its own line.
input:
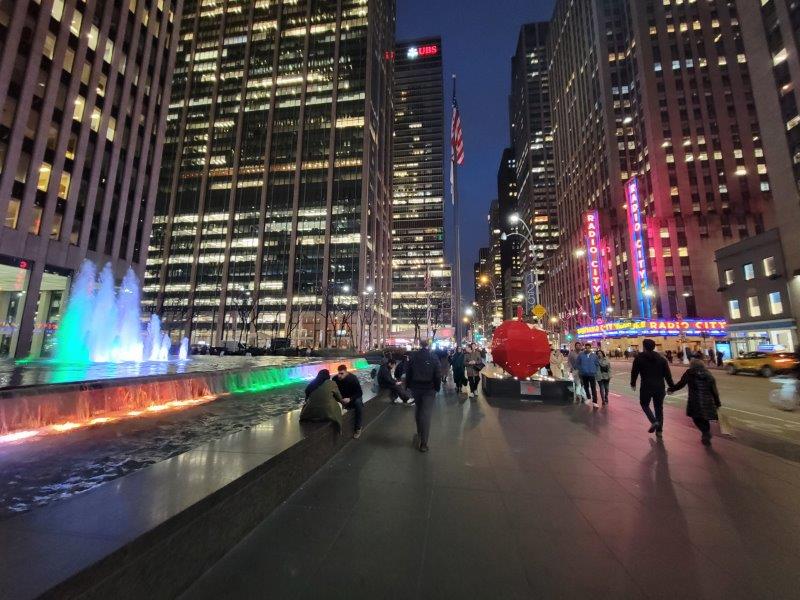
(103, 324)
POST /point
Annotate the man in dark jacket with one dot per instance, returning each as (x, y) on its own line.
(654, 371)
(387, 382)
(423, 379)
(352, 395)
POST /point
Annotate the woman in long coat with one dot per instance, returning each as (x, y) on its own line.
(459, 369)
(703, 397)
(322, 400)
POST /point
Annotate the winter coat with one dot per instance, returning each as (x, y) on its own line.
(323, 405)
(603, 369)
(473, 357)
(653, 369)
(557, 364)
(703, 395)
(385, 379)
(588, 364)
(459, 375)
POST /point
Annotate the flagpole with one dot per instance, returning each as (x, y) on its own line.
(456, 217)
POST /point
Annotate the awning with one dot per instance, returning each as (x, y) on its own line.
(754, 325)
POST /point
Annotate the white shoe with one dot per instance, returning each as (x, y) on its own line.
(397, 401)
(410, 402)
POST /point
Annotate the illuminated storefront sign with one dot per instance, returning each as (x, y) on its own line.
(655, 327)
(422, 51)
(638, 258)
(594, 263)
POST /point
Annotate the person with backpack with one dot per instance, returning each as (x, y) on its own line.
(654, 371)
(603, 375)
(703, 397)
(423, 379)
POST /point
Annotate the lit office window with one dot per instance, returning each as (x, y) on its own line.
(728, 276)
(769, 266)
(775, 303)
(733, 309)
(749, 272)
(753, 307)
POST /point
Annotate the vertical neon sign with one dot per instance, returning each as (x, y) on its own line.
(594, 263)
(638, 251)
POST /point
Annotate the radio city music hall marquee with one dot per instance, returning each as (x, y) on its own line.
(656, 327)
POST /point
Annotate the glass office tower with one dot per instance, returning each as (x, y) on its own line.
(274, 212)
(420, 269)
(84, 89)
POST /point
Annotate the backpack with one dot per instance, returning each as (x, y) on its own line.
(423, 368)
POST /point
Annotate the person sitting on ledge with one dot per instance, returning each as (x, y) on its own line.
(322, 401)
(352, 396)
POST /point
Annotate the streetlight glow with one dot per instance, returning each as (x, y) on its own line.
(513, 218)
(580, 253)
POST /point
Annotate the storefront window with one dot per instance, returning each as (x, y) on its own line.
(775, 304)
(50, 308)
(13, 286)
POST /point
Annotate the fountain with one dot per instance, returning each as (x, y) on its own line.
(102, 324)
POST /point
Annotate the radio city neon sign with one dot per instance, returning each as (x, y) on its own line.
(638, 251)
(594, 261)
(656, 327)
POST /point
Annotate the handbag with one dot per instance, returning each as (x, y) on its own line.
(725, 426)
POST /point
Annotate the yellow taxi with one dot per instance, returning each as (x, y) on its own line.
(765, 364)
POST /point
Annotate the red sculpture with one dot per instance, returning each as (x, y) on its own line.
(519, 348)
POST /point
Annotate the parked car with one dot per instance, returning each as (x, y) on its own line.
(765, 364)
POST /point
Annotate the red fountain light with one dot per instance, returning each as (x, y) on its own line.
(519, 348)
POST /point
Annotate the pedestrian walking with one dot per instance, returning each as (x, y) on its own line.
(322, 401)
(669, 356)
(474, 363)
(587, 368)
(444, 364)
(603, 375)
(712, 357)
(572, 362)
(424, 379)
(459, 370)
(654, 371)
(703, 400)
(352, 396)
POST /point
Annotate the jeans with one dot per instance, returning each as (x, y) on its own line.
(590, 384)
(656, 395)
(703, 425)
(423, 410)
(397, 391)
(357, 404)
(603, 383)
(473, 383)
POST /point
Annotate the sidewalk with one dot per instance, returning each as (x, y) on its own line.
(528, 502)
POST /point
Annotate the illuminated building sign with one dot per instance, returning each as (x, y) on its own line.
(594, 263)
(422, 51)
(655, 328)
(637, 258)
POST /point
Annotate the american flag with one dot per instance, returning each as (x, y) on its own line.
(456, 135)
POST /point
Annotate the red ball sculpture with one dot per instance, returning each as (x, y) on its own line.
(519, 348)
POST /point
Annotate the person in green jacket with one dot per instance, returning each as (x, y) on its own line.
(322, 400)
(459, 369)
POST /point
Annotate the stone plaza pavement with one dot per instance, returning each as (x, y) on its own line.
(528, 501)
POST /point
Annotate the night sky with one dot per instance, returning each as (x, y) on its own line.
(478, 39)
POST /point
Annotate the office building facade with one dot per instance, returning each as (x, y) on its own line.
(84, 90)
(659, 156)
(532, 145)
(421, 275)
(274, 214)
(512, 250)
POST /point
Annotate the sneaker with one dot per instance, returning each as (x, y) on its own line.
(410, 402)
(357, 433)
(423, 448)
(653, 427)
(595, 405)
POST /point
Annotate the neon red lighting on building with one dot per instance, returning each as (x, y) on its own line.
(430, 50)
(594, 262)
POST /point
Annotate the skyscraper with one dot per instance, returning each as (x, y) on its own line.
(274, 210)
(418, 250)
(511, 254)
(658, 151)
(84, 90)
(532, 145)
